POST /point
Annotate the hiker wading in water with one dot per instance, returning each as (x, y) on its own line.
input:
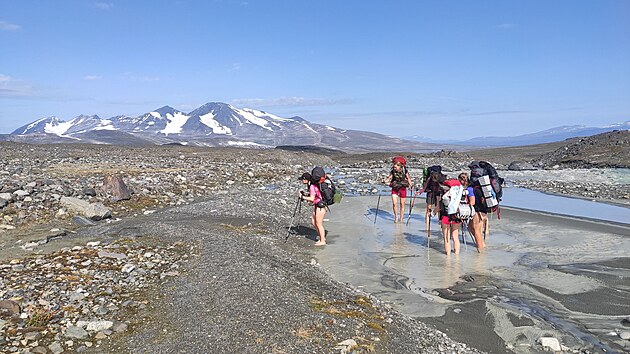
(450, 225)
(432, 187)
(399, 180)
(319, 210)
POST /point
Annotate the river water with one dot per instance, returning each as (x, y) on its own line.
(541, 276)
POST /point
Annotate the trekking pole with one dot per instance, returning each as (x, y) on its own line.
(412, 202)
(464, 237)
(427, 219)
(292, 217)
(377, 203)
(297, 226)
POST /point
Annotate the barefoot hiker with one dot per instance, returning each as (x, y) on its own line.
(399, 180)
(450, 224)
(319, 208)
(432, 187)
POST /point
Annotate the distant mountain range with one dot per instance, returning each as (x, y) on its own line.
(213, 124)
(545, 136)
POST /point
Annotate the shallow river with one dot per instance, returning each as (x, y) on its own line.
(541, 276)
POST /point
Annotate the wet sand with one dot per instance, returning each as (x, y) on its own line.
(541, 276)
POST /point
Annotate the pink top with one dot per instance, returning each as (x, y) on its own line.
(314, 191)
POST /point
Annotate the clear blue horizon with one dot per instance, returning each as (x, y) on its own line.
(492, 68)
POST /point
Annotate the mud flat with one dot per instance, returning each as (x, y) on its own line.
(541, 276)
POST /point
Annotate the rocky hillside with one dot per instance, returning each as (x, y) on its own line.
(610, 149)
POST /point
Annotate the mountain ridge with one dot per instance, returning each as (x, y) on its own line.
(212, 124)
(550, 135)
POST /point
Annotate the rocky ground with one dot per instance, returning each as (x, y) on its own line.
(199, 237)
(88, 268)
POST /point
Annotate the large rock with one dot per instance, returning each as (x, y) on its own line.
(116, 188)
(521, 166)
(94, 211)
(551, 343)
(76, 332)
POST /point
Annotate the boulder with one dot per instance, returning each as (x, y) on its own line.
(97, 211)
(551, 343)
(12, 307)
(116, 188)
(94, 211)
(521, 166)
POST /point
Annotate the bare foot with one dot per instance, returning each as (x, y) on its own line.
(319, 243)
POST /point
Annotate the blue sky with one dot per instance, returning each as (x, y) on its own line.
(401, 68)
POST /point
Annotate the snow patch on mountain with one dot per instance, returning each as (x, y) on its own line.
(174, 123)
(106, 124)
(251, 116)
(309, 128)
(217, 128)
(58, 128)
(246, 143)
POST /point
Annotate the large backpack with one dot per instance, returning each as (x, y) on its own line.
(330, 194)
(402, 181)
(426, 172)
(487, 185)
(451, 198)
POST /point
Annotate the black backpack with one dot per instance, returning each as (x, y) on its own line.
(483, 168)
(488, 200)
(426, 172)
(328, 189)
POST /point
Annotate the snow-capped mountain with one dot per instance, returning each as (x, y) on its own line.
(545, 136)
(213, 124)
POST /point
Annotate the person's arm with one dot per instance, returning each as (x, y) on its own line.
(424, 188)
(311, 196)
(471, 196)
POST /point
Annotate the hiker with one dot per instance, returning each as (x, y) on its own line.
(319, 210)
(399, 180)
(479, 221)
(432, 187)
(450, 225)
(469, 198)
(487, 186)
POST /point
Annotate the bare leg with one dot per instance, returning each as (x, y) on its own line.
(455, 236)
(476, 226)
(486, 227)
(319, 222)
(395, 200)
(446, 231)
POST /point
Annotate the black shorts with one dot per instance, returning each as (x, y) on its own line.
(431, 199)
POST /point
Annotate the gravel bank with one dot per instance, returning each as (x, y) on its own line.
(193, 270)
